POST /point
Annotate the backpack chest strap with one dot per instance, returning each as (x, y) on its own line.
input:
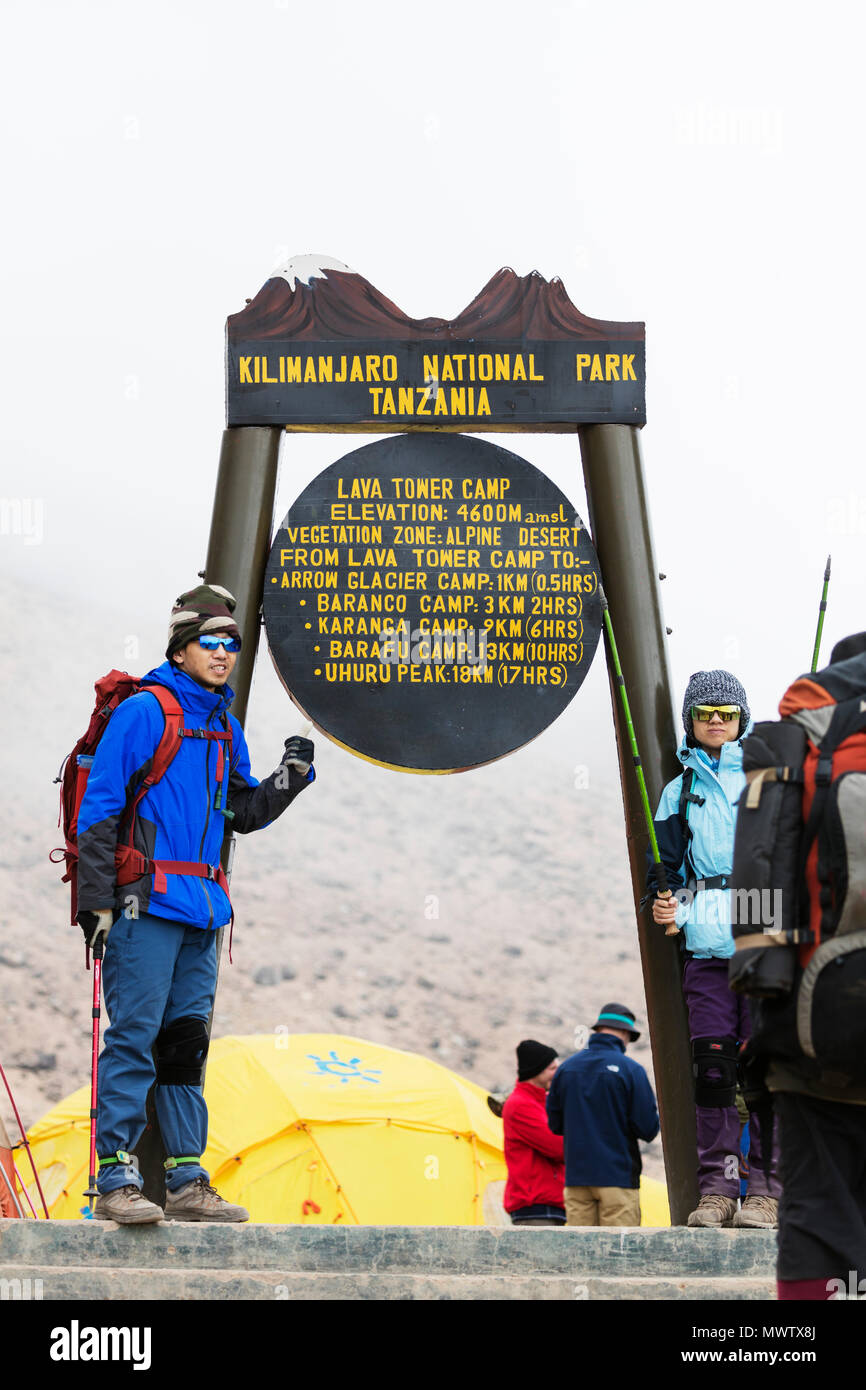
(700, 885)
(219, 736)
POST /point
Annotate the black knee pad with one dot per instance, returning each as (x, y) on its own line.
(181, 1049)
(719, 1055)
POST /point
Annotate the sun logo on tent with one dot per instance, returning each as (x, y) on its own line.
(346, 1071)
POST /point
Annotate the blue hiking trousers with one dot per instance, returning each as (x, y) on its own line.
(155, 972)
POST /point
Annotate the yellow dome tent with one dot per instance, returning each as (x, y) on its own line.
(322, 1128)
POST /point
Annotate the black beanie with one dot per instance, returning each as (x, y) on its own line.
(532, 1058)
(855, 645)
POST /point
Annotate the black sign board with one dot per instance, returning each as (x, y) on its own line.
(319, 346)
(431, 602)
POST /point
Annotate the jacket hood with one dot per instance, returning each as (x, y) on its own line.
(698, 757)
(193, 698)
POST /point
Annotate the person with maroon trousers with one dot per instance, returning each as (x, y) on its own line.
(533, 1154)
(694, 826)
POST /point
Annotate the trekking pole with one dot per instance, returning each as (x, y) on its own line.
(10, 1187)
(8, 1173)
(25, 1142)
(661, 872)
(92, 1192)
(23, 1186)
(821, 611)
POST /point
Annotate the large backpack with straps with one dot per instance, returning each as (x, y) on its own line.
(130, 864)
(799, 879)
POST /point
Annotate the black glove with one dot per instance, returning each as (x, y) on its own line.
(298, 754)
(96, 926)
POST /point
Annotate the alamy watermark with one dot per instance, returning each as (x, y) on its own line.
(420, 646)
(24, 517)
(750, 907)
(838, 1289)
(20, 1290)
(77, 1343)
(846, 516)
(731, 127)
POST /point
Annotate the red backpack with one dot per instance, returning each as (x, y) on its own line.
(131, 865)
(800, 856)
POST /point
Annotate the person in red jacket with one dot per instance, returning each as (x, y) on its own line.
(533, 1154)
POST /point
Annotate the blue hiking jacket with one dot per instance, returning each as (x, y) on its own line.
(707, 919)
(176, 818)
(602, 1103)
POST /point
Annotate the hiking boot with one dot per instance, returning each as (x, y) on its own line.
(198, 1201)
(712, 1210)
(759, 1212)
(127, 1207)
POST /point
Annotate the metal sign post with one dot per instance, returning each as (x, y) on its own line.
(619, 519)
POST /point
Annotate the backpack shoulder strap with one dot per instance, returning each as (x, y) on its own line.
(688, 797)
(164, 753)
(169, 743)
(847, 719)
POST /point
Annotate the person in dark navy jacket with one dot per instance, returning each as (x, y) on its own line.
(159, 930)
(602, 1103)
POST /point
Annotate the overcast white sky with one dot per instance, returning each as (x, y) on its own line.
(695, 166)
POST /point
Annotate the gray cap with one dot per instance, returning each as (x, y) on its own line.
(714, 688)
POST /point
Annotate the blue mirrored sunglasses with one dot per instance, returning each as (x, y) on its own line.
(212, 644)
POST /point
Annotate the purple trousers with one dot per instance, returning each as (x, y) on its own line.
(716, 1012)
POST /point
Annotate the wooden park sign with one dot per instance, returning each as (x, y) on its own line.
(431, 600)
(320, 347)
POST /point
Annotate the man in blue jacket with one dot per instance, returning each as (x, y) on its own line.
(155, 896)
(602, 1103)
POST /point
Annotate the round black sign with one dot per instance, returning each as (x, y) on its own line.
(431, 602)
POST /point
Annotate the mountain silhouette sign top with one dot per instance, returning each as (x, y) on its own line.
(320, 347)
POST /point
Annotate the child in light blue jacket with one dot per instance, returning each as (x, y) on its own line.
(695, 824)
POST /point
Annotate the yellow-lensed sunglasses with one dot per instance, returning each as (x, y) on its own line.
(704, 713)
